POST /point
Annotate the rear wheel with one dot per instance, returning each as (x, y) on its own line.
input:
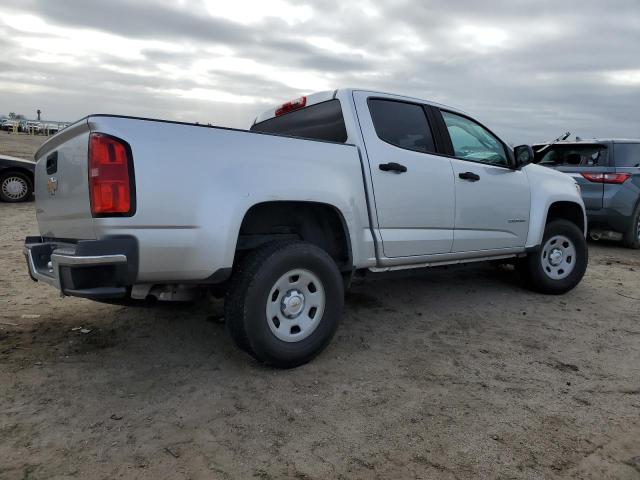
(15, 187)
(631, 237)
(284, 303)
(560, 263)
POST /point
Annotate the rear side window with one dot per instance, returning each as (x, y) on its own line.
(627, 154)
(402, 124)
(322, 121)
(573, 156)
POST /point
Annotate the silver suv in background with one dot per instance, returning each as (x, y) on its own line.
(608, 171)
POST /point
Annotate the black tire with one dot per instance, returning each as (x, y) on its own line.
(26, 181)
(631, 237)
(250, 290)
(532, 270)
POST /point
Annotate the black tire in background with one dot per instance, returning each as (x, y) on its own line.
(631, 237)
(253, 286)
(533, 270)
(20, 177)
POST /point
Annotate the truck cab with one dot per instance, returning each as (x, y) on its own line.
(441, 184)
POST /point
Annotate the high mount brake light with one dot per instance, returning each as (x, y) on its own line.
(296, 104)
(110, 176)
(615, 178)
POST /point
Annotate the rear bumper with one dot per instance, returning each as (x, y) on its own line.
(93, 269)
(608, 219)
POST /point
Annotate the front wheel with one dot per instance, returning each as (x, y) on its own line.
(560, 262)
(284, 303)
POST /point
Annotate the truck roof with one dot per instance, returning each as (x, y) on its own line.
(326, 95)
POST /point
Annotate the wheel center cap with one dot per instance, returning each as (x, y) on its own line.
(555, 257)
(14, 188)
(292, 304)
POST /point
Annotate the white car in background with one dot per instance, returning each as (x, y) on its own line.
(9, 125)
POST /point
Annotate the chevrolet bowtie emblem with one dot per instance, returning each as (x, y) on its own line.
(52, 185)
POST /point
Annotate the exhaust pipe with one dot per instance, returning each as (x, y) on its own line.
(605, 235)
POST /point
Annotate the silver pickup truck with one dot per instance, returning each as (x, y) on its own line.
(279, 218)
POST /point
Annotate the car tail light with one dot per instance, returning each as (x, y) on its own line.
(616, 178)
(296, 104)
(110, 176)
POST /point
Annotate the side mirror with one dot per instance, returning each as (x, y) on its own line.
(523, 155)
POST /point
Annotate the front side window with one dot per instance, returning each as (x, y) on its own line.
(572, 156)
(627, 154)
(402, 124)
(471, 141)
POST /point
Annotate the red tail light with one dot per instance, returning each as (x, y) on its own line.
(296, 104)
(110, 176)
(616, 178)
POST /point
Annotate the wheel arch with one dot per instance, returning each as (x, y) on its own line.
(558, 208)
(321, 224)
(567, 210)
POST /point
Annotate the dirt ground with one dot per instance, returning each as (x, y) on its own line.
(20, 145)
(441, 374)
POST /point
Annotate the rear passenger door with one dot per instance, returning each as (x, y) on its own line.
(412, 187)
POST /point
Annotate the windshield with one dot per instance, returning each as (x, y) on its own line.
(573, 156)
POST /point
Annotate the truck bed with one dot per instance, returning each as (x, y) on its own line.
(193, 185)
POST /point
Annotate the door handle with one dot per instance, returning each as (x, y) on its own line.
(472, 177)
(392, 167)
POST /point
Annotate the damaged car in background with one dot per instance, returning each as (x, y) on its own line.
(608, 172)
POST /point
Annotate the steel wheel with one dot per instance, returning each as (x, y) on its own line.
(295, 305)
(560, 263)
(284, 302)
(14, 188)
(558, 257)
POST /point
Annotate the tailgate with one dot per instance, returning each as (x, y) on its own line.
(62, 186)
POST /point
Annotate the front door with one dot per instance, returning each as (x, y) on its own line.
(413, 188)
(492, 199)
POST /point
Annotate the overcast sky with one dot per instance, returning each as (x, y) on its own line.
(529, 69)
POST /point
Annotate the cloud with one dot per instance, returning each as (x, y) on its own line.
(530, 69)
